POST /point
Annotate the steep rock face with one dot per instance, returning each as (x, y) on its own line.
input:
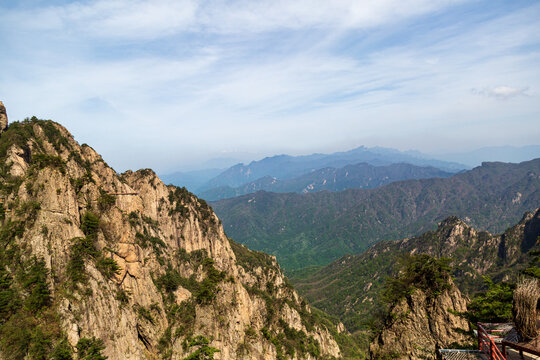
(419, 325)
(3, 118)
(144, 267)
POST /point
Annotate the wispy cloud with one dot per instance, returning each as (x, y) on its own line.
(155, 18)
(502, 92)
(193, 78)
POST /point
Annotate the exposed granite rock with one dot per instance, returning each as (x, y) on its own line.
(3, 118)
(420, 325)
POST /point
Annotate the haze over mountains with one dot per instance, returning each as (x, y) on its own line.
(506, 153)
(363, 176)
(289, 167)
(315, 228)
(361, 167)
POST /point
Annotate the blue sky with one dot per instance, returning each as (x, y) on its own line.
(169, 84)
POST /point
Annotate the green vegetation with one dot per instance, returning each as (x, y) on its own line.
(105, 200)
(29, 326)
(122, 296)
(21, 134)
(83, 248)
(169, 281)
(90, 224)
(9, 299)
(292, 341)
(35, 283)
(181, 316)
(83, 180)
(63, 351)
(41, 161)
(423, 272)
(18, 134)
(360, 175)
(180, 196)
(144, 313)
(28, 209)
(250, 259)
(317, 228)
(53, 134)
(145, 241)
(133, 219)
(208, 288)
(204, 351)
(204, 291)
(90, 349)
(533, 268)
(108, 267)
(493, 305)
(289, 341)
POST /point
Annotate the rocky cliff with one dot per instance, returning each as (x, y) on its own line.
(419, 325)
(3, 118)
(92, 261)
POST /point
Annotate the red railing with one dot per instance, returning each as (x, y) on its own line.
(487, 345)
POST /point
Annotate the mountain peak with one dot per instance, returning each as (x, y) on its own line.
(527, 216)
(452, 221)
(3, 117)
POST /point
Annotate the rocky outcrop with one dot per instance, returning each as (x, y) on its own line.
(142, 267)
(419, 324)
(3, 118)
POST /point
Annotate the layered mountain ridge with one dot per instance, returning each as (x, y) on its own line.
(316, 228)
(288, 167)
(362, 176)
(123, 265)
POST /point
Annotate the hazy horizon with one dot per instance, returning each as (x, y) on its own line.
(171, 84)
(462, 157)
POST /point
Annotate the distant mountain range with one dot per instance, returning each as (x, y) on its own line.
(288, 167)
(284, 167)
(474, 158)
(316, 228)
(216, 179)
(362, 176)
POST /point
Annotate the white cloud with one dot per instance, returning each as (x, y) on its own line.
(502, 92)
